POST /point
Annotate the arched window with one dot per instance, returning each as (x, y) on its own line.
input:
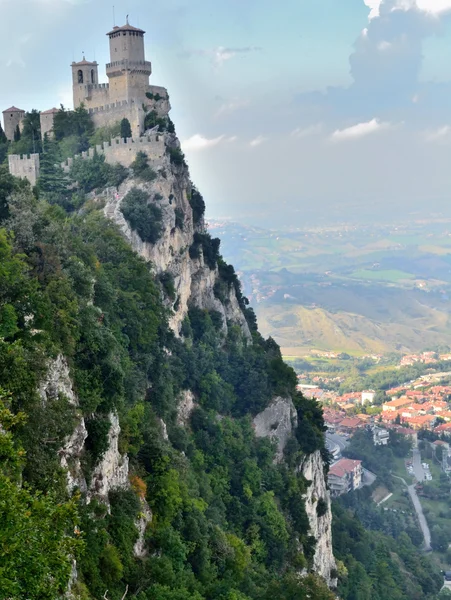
(92, 76)
(80, 76)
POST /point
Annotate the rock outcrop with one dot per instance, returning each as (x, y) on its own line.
(277, 422)
(186, 406)
(194, 281)
(112, 470)
(324, 563)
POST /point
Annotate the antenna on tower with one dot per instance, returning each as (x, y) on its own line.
(114, 17)
(126, 18)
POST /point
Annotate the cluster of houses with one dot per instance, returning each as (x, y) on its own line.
(426, 358)
(419, 409)
(337, 421)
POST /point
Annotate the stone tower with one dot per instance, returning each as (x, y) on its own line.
(12, 118)
(85, 77)
(128, 71)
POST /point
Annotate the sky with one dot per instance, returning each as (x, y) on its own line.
(290, 112)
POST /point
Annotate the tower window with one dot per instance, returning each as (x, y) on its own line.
(92, 76)
(80, 76)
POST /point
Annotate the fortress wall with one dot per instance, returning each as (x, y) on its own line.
(124, 152)
(109, 114)
(25, 167)
(91, 95)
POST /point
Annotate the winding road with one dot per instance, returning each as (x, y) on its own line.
(419, 510)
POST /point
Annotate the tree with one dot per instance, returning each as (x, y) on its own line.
(126, 129)
(52, 179)
(17, 134)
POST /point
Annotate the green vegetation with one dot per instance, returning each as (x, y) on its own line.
(94, 174)
(143, 217)
(227, 522)
(197, 204)
(374, 565)
(126, 129)
(141, 168)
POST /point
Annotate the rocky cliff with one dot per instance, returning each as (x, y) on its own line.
(278, 422)
(312, 468)
(194, 280)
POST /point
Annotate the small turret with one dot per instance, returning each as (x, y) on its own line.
(84, 75)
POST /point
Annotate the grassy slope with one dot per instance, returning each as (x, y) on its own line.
(297, 327)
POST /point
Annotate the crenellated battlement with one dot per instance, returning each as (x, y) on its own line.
(124, 151)
(111, 107)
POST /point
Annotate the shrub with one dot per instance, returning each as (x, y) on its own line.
(321, 507)
(197, 204)
(142, 169)
(144, 218)
(167, 281)
(176, 156)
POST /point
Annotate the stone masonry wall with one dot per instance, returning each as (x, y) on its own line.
(24, 166)
(124, 151)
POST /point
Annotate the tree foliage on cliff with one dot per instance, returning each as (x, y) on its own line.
(227, 522)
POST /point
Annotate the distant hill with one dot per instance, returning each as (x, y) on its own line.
(353, 290)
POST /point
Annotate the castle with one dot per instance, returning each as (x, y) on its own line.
(127, 94)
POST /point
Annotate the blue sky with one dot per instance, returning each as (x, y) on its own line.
(288, 111)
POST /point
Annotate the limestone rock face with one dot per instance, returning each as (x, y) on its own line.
(320, 527)
(186, 406)
(278, 422)
(112, 470)
(70, 457)
(145, 517)
(194, 281)
(58, 382)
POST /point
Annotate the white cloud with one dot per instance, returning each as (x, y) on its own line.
(222, 54)
(257, 141)
(433, 7)
(438, 135)
(232, 106)
(300, 132)
(384, 45)
(374, 6)
(360, 130)
(200, 142)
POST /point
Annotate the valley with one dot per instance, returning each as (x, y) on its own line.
(348, 288)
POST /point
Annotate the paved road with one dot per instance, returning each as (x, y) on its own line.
(418, 470)
(339, 440)
(419, 510)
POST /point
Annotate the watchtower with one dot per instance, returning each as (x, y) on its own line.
(85, 75)
(12, 118)
(128, 71)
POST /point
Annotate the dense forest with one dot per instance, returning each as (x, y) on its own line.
(228, 522)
